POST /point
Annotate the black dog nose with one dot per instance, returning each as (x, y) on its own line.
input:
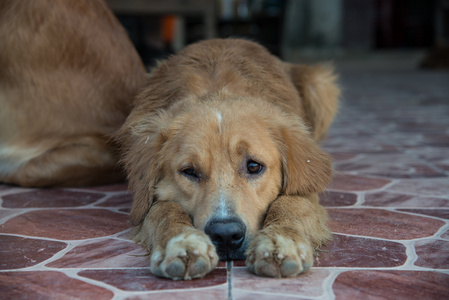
(227, 235)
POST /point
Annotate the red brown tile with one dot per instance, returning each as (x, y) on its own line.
(122, 200)
(50, 198)
(248, 295)
(217, 293)
(7, 213)
(19, 252)
(391, 166)
(356, 252)
(381, 223)
(432, 254)
(143, 280)
(391, 285)
(358, 144)
(445, 235)
(67, 224)
(385, 199)
(444, 167)
(344, 182)
(341, 156)
(108, 253)
(48, 285)
(428, 187)
(436, 140)
(119, 187)
(4, 187)
(433, 155)
(308, 284)
(239, 263)
(439, 213)
(330, 198)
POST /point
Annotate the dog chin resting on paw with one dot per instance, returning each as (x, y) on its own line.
(222, 158)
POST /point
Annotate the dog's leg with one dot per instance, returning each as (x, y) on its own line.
(294, 226)
(178, 250)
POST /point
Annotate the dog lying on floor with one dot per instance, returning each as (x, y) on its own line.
(220, 146)
(222, 158)
(68, 73)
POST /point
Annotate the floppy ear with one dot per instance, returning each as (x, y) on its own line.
(306, 168)
(319, 94)
(142, 141)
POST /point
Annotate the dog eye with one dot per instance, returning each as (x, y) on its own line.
(190, 173)
(254, 167)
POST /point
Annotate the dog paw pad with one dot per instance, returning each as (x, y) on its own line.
(186, 256)
(175, 269)
(278, 256)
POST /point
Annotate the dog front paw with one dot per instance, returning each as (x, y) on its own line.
(275, 255)
(188, 255)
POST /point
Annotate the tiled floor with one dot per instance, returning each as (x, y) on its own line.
(388, 204)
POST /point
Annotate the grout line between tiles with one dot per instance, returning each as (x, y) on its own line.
(229, 267)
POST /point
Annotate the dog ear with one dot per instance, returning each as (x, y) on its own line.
(142, 141)
(306, 168)
(319, 94)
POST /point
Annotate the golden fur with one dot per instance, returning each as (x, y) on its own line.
(68, 73)
(210, 110)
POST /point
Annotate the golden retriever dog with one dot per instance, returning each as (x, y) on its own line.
(222, 159)
(68, 73)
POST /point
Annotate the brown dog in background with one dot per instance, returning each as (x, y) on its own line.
(222, 158)
(68, 73)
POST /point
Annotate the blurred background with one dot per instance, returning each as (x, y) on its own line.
(415, 31)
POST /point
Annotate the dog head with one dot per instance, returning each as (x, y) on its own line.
(223, 130)
(225, 160)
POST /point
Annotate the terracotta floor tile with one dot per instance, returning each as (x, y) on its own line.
(439, 213)
(50, 198)
(429, 187)
(436, 156)
(239, 263)
(390, 165)
(436, 140)
(308, 284)
(382, 224)
(216, 293)
(4, 187)
(398, 285)
(357, 144)
(67, 224)
(356, 252)
(330, 198)
(19, 252)
(119, 187)
(386, 199)
(48, 285)
(344, 182)
(144, 280)
(341, 156)
(122, 200)
(6, 213)
(246, 295)
(445, 235)
(432, 254)
(108, 253)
